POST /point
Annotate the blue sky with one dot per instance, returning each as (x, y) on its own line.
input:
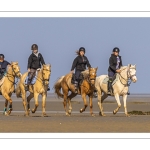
(59, 38)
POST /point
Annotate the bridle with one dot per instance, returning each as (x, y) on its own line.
(91, 79)
(129, 76)
(11, 75)
(42, 80)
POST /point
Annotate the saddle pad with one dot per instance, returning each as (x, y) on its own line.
(2, 80)
(105, 81)
(33, 80)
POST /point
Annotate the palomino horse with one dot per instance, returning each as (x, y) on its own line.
(86, 88)
(39, 87)
(120, 87)
(8, 85)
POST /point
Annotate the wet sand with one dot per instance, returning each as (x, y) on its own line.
(58, 122)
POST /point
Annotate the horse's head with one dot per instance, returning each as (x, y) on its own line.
(46, 71)
(92, 75)
(15, 69)
(131, 71)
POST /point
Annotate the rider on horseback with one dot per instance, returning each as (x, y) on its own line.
(115, 63)
(79, 64)
(3, 66)
(34, 62)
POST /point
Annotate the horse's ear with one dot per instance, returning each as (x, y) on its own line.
(96, 68)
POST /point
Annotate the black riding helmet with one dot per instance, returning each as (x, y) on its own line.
(2, 56)
(81, 49)
(34, 47)
(116, 49)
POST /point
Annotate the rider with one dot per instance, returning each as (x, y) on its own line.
(79, 64)
(34, 62)
(115, 63)
(3, 66)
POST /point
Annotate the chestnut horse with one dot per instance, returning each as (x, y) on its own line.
(8, 85)
(86, 88)
(39, 87)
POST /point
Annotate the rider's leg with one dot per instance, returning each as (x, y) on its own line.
(31, 74)
(110, 74)
(76, 83)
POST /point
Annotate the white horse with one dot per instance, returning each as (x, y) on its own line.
(120, 87)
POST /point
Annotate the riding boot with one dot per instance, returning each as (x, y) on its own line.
(110, 86)
(48, 88)
(76, 86)
(95, 93)
(27, 85)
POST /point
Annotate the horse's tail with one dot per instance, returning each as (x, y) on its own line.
(18, 90)
(57, 87)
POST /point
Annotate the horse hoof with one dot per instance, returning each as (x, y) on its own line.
(114, 112)
(67, 114)
(93, 115)
(33, 111)
(127, 115)
(81, 110)
(8, 112)
(44, 115)
(26, 115)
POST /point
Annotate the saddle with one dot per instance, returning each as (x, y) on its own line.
(33, 79)
(80, 79)
(114, 80)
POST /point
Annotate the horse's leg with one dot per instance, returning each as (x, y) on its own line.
(102, 99)
(43, 104)
(36, 102)
(72, 95)
(118, 102)
(85, 102)
(125, 106)
(24, 99)
(5, 107)
(65, 102)
(28, 102)
(8, 98)
(91, 104)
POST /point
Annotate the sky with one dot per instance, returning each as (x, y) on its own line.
(59, 37)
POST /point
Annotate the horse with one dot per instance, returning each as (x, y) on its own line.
(7, 86)
(39, 87)
(120, 87)
(86, 88)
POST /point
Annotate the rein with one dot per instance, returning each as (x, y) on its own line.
(41, 80)
(129, 77)
(10, 75)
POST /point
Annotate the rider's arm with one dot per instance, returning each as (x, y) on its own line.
(29, 62)
(42, 59)
(111, 65)
(74, 63)
(88, 64)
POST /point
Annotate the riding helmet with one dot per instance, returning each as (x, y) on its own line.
(116, 49)
(81, 49)
(2, 56)
(34, 47)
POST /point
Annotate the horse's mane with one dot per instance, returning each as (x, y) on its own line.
(123, 67)
(85, 73)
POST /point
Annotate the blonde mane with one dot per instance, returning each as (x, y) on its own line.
(85, 73)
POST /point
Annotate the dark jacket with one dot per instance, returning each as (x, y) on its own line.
(3, 66)
(35, 62)
(113, 63)
(79, 64)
